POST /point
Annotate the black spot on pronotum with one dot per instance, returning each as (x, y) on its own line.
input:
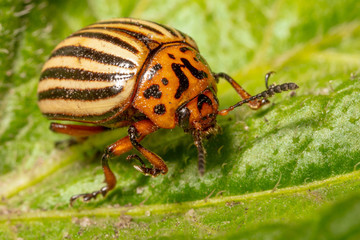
(183, 80)
(165, 81)
(153, 91)
(160, 109)
(199, 74)
(157, 67)
(171, 56)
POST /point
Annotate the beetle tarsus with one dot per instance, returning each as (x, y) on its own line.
(86, 197)
(110, 180)
(143, 169)
(273, 89)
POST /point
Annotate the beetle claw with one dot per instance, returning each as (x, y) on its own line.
(154, 172)
(86, 197)
(143, 169)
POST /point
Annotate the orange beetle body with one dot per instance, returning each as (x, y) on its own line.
(136, 73)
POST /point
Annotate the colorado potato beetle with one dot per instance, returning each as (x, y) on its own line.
(140, 74)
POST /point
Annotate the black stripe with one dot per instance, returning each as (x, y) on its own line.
(141, 37)
(92, 54)
(191, 39)
(79, 74)
(138, 24)
(80, 94)
(83, 118)
(183, 34)
(170, 30)
(107, 38)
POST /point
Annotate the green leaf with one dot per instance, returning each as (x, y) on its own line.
(289, 170)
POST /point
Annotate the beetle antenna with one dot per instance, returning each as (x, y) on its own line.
(272, 90)
(201, 152)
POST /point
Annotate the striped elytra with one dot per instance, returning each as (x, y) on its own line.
(140, 74)
(93, 75)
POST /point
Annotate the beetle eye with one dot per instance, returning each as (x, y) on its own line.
(183, 117)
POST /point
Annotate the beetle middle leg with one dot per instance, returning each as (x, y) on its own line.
(79, 132)
(121, 146)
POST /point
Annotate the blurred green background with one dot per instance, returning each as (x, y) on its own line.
(286, 171)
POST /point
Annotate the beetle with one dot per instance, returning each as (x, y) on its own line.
(140, 74)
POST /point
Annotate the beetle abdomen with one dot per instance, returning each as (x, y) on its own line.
(91, 76)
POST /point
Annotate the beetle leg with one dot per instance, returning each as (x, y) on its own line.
(135, 132)
(121, 146)
(79, 132)
(76, 130)
(143, 169)
(255, 104)
(110, 180)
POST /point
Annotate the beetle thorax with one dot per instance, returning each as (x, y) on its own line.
(173, 76)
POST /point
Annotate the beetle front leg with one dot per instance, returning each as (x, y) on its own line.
(121, 146)
(143, 169)
(159, 165)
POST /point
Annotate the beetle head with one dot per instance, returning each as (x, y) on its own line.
(198, 117)
(199, 114)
